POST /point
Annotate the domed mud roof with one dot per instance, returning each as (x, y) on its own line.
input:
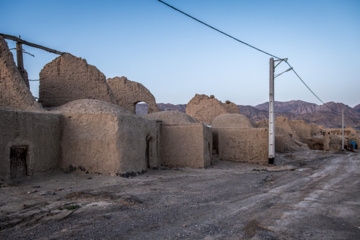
(235, 120)
(91, 106)
(171, 117)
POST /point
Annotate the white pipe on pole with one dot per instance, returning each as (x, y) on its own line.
(271, 114)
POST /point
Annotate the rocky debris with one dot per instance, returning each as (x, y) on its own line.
(129, 93)
(68, 78)
(14, 92)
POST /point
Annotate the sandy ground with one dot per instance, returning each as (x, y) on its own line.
(307, 195)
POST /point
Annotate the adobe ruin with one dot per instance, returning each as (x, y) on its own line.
(205, 108)
(68, 78)
(236, 139)
(103, 138)
(184, 141)
(129, 93)
(30, 137)
(14, 92)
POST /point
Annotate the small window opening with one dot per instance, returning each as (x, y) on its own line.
(141, 108)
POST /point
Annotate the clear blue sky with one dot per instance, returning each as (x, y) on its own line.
(176, 57)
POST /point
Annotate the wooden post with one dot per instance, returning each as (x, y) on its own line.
(20, 63)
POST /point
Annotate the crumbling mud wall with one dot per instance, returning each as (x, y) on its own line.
(231, 107)
(13, 90)
(243, 144)
(236, 139)
(129, 93)
(100, 137)
(205, 108)
(29, 142)
(286, 139)
(68, 78)
(184, 141)
(187, 145)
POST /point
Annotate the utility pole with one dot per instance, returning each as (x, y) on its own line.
(272, 107)
(271, 114)
(342, 130)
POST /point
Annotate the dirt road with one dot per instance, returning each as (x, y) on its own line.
(307, 195)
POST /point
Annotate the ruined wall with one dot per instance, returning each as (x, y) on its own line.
(231, 107)
(69, 78)
(286, 139)
(129, 93)
(204, 108)
(243, 144)
(103, 138)
(188, 145)
(39, 133)
(13, 90)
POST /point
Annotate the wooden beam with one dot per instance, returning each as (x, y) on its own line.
(19, 40)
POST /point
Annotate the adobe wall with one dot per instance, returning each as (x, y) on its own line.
(129, 93)
(39, 132)
(243, 144)
(286, 139)
(188, 145)
(69, 78)
(13, 90)
(105, 140)
(204, 108)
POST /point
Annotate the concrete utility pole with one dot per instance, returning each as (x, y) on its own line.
(342, 130)
(272, 108)
(271, 114)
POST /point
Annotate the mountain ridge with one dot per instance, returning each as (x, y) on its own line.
(328, 114)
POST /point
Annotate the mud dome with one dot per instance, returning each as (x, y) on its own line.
(184, 141)
(100, 137)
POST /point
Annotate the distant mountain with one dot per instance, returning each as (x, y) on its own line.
(328, 115)
(142, 108)
(297, 107)
(171, 107)
(357, 108)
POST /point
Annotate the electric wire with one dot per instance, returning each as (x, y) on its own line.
(249, 45)
(228, 35)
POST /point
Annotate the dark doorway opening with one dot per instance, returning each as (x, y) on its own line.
(147, 151)
(18, 155)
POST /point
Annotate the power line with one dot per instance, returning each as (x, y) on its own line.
(238, 40)
(228, 35)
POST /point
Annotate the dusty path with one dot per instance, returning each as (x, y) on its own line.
(319, 199)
